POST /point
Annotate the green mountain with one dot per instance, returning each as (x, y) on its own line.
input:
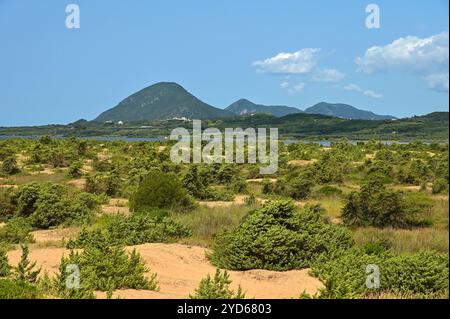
(161, 101)
(345, 111)
(245, 107)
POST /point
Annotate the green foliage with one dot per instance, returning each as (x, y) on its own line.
(133, 230)
(375, 205)
(217, 288)
(107, 268)
(13, 289)
(25, 271)
(279, 237)
(17, 230)
(8, 203)
(440, 185)
(47, 204)
(9, 166)
(160, 190)
(328, 190)
(74, 170)
(5, 268)
(100, 183)
(419, 274)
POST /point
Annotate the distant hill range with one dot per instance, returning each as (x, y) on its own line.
(245, 107)
(345, 111)
(168, 100)
(161, 101)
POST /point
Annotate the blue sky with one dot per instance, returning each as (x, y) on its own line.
(294, 53)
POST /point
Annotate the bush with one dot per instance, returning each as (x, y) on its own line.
(107, 268)
(8, 203)
(13, 289)
(279, 237)
(419, 274)
(9, 166)
(330, 191)
(74, 170)
(17, 230)
(133, 230)
(374, 205)
(217, 288)
(48, 204)
(160, 190)
(108, 184)
(440, 185)
(5, 268)
(25, 271)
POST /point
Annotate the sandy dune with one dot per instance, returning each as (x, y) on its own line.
(180, 268)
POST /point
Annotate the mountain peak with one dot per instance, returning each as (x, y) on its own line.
(160, 101)
(345, 111)
(244, 106)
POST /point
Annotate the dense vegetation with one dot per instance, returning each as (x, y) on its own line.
(333, 209)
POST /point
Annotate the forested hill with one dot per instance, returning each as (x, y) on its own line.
(433, 126)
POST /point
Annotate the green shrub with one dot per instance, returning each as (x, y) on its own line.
(107, 268)
(133, 230)
(25, 271)
(74, 170)
(279, 237)
(13, 289)
(9, 166)
(417, 274)
(374, 205)
(328, 190)
(160, 190)
(5, 268)
(48, 204)
(217, 288)
(17, 230)
(440, 185)
(8, 203)
(108, 184)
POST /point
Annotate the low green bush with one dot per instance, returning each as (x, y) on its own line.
(14, 289)
(440, 185)
(5, 268)
(17, 230)
(160, 190)
(279, 237)
(133, 230)
(375, 205)
(107, 268)
(217, 288)
(419, 274)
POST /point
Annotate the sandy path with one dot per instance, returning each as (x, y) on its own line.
(180, 268)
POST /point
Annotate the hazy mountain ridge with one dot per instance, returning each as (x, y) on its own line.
(168, 100)
(245, 107)
(345, 111)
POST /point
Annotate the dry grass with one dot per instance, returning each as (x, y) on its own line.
(403, 240)
(206, 222)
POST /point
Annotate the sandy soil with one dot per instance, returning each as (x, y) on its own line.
(116, 206)
(79, 183)
(54, 235)
(302, 162)
(180, 268)
(260, 180)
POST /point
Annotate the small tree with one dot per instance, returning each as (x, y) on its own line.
(5, 268)
(217, 288)
(160, 190)
(9, 166)
(25, 269)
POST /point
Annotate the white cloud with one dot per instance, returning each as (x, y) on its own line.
(352, 87)
(328, 75)
(284, 84)
(297, 88)
(300, 62)
(372, 94)
(438, 82)
(426, 57)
